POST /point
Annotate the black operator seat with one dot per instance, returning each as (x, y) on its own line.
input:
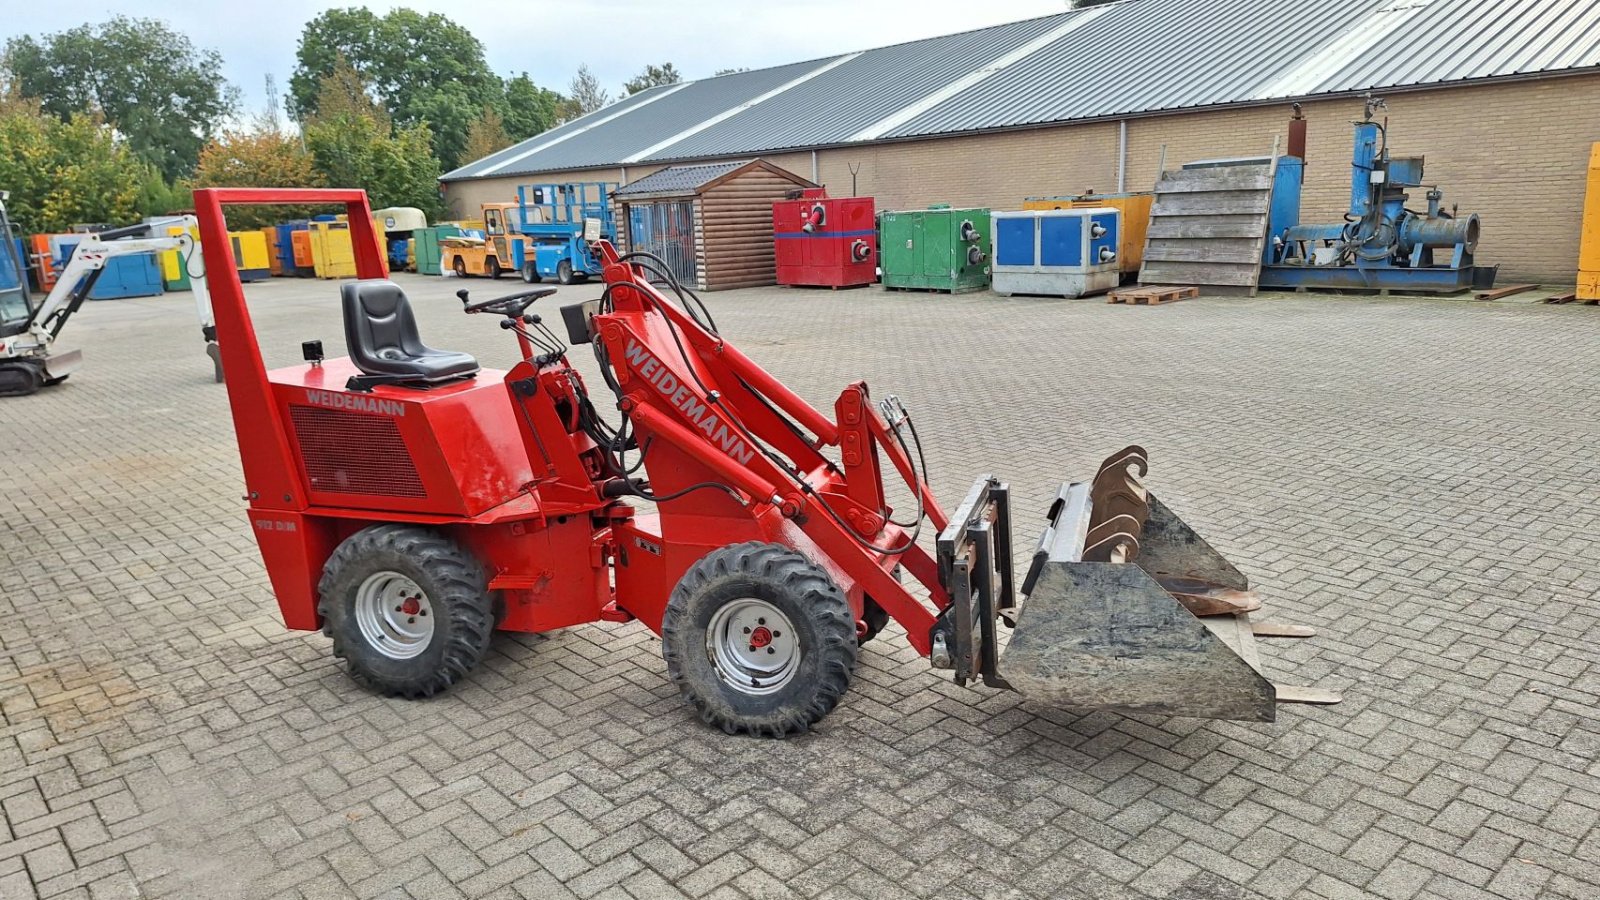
(381, 332)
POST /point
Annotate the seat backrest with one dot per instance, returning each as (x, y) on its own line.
(379, 326)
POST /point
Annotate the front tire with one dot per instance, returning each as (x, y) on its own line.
(408, 609)
(564, 272)
(530, 274)
(491, 267)
(759, 640)
(460, 267)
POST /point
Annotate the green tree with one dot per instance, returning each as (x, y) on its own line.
(150, 83)
(652, 76)
(356, 147)
(421, 68)
(529, 109)
(488, 135)
(264, 156)
(61, 173)
(584, 95)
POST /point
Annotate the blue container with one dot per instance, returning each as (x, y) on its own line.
(135, 275)
(286, 245)
(1056, 252)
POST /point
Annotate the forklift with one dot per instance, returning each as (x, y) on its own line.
(408, 502)
(498, 250)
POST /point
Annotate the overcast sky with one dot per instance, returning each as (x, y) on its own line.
(549, 39)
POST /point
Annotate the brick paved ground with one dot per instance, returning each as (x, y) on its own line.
(1416, 478)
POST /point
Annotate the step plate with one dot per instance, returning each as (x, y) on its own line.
(1107, 636)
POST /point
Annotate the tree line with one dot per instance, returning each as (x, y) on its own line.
(111, 122)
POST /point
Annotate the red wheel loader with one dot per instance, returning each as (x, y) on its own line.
(408, 502)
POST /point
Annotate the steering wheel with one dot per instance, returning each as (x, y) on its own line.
(509, 305)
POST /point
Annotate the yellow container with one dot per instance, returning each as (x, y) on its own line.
(250, 255)
(1589, 239)
(332, 255)
(1135, 209)
(173, 275)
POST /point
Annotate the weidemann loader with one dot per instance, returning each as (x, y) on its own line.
(408, 502)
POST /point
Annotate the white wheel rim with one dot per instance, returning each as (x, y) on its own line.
(394, 615)
(753, 646)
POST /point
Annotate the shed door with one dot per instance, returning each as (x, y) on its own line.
(665, 228)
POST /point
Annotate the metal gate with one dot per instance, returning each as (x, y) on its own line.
(665, 228)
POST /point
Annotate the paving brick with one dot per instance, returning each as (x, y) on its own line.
(1363, 460)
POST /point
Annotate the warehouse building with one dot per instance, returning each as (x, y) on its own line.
(1502, 97)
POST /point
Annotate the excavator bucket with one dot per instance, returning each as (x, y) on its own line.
(1126, 607)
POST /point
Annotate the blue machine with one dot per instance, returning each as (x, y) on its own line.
(1381, 245)
(1056, 252)
(560, 221)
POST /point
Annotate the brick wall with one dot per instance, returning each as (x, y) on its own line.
(1514, 153)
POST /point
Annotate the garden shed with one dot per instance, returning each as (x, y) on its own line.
(712, 223)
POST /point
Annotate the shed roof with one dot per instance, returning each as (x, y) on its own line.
(682, 181)
(1135, 57)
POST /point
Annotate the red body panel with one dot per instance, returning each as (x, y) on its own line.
(826, 242)
(421, 451)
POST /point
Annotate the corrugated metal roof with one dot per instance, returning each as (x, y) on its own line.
(1122, 59)
(678, 179)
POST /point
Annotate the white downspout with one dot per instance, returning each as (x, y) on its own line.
(814, 168)
(1122, 156)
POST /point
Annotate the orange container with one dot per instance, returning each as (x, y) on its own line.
(302, 249)
(42, 261)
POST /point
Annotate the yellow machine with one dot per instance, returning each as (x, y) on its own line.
(1135, 208)
(1589, 242)
(174, 272)
(332, 255)
(494, 252)
(250, 254)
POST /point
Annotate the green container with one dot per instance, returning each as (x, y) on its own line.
(935, 249)
(427, 247)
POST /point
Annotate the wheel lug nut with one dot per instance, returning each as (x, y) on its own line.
(411, 620)
(747, 631)
(772, 649)
(397, 609)
(777, 634)
(761, 621)
(423, 613)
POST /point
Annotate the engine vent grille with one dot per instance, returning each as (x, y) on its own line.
(348, 452)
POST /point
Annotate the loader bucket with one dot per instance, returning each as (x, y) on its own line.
(1127, 608)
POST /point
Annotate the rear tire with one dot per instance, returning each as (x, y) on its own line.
(564, 272)
(759, 640)
(491, 267)
(530, 274)
(460, 267)
(408, 609)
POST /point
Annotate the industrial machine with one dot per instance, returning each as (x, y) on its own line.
(1135, 222)
(407, 502)
(935, 249)
(1381, 245)
(824, 241)
(399, 224)
(1056, 252)
(29, 359)
(562, 222)
(1589, 238)
(496, 250)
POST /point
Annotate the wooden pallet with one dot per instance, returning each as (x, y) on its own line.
(1152, 296)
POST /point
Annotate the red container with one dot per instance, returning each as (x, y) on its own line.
(826, 242)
